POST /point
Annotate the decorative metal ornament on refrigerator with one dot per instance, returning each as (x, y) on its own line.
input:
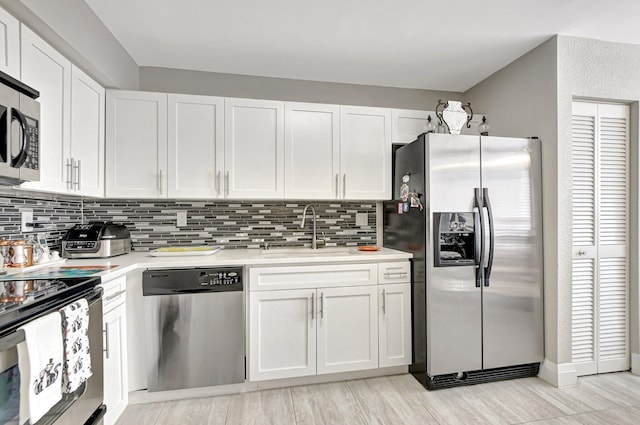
(484, 127)
(454, 115)
(431, 126)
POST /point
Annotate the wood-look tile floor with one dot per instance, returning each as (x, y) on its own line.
(596, 400)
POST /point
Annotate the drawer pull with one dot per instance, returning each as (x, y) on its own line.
(116, 295)
(392, 274)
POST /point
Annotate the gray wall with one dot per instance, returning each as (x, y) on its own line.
(231, 85)
(520, 101)
(593, 69)
(74, 30)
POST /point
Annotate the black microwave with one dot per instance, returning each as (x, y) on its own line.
(19, 132)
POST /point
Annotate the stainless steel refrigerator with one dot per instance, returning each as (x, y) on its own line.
(470, 210)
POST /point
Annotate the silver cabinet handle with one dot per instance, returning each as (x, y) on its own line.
(392, 274)
(106, 339)
(313, 301)
(160, 179)
(384, 301)
(344, 185)
(116, 295)
(582, 252)
(218, 174)
(79, 175)
(337, 187)
(75, 175)
(69, 174)
(226, 183)
(321, 305)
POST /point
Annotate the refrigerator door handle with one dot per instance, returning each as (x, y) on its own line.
(487, 205)
(479, 239)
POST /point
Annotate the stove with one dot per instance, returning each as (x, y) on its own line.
(23, 300)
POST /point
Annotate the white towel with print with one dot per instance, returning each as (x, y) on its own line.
(77, 359)
(40, 362)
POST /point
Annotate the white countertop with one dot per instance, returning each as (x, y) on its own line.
(238, 257)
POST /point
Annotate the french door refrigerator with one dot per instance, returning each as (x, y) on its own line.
(470, 210)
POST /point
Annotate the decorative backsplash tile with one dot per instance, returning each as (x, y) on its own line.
(236, 224)
(232, 224)
(56, 216)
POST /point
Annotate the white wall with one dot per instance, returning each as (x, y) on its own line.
(230, 85)
(520, 101)
(74, 30)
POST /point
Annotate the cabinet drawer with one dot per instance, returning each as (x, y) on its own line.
(397, 272)
(297, 277)
(114, 293)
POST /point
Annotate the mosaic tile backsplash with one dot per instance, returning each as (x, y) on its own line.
(232, 224)
(55, 216)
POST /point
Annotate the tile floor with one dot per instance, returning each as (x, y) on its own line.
(596, 400)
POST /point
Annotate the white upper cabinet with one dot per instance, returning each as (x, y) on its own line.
(254, 149)
(136, 139)
(408, 124)
(195, 146)
(312, 151)
(9, 44)
(72, 121)
(87, 134)
(47, 71)
(365, 152)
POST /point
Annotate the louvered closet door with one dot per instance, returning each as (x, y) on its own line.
(600, 174)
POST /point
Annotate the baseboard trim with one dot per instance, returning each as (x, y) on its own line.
(562, 375)
(143, 396)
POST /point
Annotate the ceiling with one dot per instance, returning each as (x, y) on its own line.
(447, 45)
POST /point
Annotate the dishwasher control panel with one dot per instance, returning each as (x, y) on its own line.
(221, 277)
(192, 280)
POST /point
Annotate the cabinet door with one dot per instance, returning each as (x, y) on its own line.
(282, 334)
(9, 44)
(408, 124)
(87, 134)
(347, 329)
(365, 152)
(254, 149)
(196, 146)
(136, 154)
(116, 394)
(312, 151)
(394, 324)
(49, 72)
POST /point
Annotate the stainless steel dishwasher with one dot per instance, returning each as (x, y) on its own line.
(195, 327)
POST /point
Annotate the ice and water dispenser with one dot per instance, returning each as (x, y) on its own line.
(455, 239)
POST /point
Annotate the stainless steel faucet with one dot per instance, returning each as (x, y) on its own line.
(314, 240)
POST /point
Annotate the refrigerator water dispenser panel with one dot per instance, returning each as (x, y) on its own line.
(456, 242)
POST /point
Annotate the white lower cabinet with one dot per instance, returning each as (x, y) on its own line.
(116, 395)
(347, 329)
(324, 324)
(394, 324)
(282, 334)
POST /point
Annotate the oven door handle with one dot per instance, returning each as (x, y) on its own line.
(11, 340)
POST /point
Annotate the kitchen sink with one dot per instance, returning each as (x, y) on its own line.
(294, 252)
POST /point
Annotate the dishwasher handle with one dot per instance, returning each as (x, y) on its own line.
(151, 291)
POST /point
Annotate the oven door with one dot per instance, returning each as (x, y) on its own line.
(82, 407)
